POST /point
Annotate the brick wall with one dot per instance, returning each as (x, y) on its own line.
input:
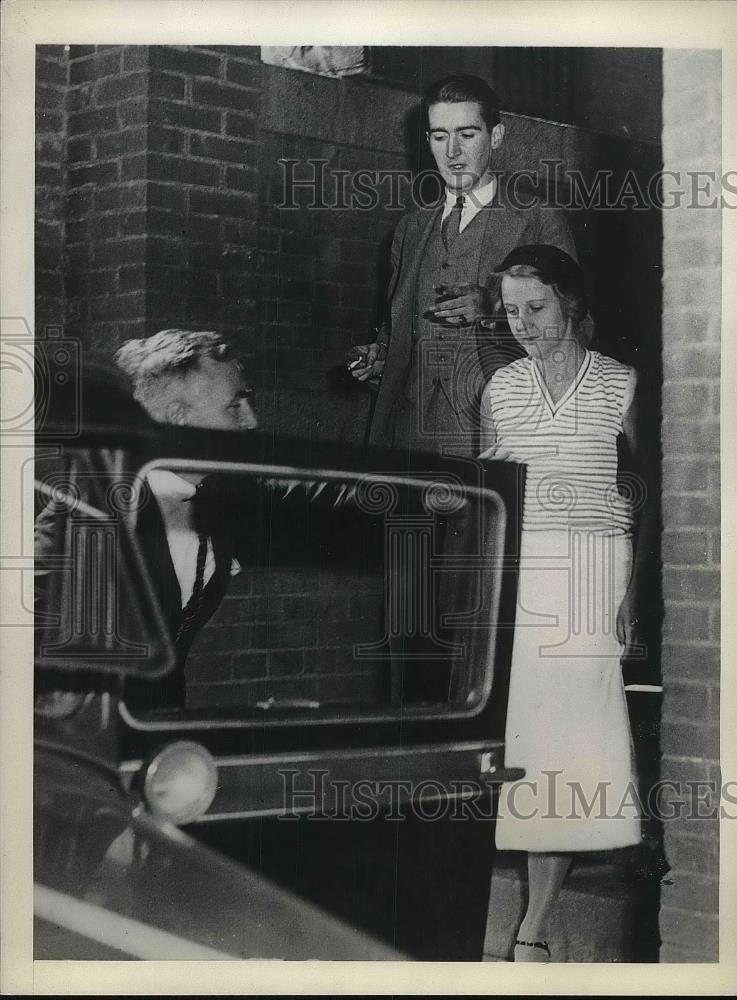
(168, 161)
(51, 79)
(691, 334)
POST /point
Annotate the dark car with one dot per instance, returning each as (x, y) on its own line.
(336, 728)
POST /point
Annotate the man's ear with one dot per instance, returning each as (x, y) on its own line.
(497, 135)
(176, 412)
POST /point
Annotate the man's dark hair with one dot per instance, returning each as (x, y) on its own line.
(459, 89)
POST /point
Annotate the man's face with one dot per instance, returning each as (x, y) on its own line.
(215, 394)
(462, 144)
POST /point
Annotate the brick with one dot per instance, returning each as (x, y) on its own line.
(184, 116)
(134, 112)
(279, 636)
(691, 584)
(182, 170)
(684, 475)
(79, 149)
(230, 150)
(116, 252)
(680, 954)
(693, 855)
(217, 203)
(167, 196)
(52, 71)
(95, 66)
(243, 126)
(686, 701)
(694, 931)
(208, 667)
(79, 51)
(205, 254)
(49, 98)
(687, 510)
(199, 228)
(132, 140)
(691, 400)
(132, 277)
(165, 140)
(134, 168)
(692, 362)
(77, 283)
(120, 88)
(48, 121)
(348, 633)
(50, 233)
(121, 196)
(118, 306)
(352, 689)
(79, 98)
(690, 739)
(715, 625)
(243, 73)
(95, 173)
(185, 60)
(48, 175)
(135, 57)
(689, 622)
(286, 663)
(222, 95)
(97, 120)
(246, 52)
(47, 257)
(685, 547)
(241, 178)
(49, 148)
(164, 250)
(682, 438)
(166, 85)
(691, 662)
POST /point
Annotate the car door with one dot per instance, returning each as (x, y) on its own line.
(343, 714)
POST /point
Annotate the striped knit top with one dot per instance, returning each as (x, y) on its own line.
(569, 447)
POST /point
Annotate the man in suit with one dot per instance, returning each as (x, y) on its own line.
(437, 349)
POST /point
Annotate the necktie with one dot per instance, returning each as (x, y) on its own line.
(190, 614)
(452, 223)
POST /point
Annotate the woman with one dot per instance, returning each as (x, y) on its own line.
(562, 411)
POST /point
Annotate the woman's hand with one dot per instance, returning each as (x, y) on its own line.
(627, 624)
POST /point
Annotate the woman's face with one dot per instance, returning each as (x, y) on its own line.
(534, 313)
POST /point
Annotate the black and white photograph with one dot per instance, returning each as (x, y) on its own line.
(362, 449)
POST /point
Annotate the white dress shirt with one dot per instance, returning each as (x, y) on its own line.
(473, 202)
(172, 493)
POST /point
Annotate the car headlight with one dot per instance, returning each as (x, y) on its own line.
(180, 782)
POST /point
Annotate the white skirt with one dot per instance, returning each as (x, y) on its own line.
(567, 722)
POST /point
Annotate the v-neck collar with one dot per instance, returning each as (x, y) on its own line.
(578, 378)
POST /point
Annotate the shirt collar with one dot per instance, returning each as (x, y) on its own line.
(475, 199)
(167, 485)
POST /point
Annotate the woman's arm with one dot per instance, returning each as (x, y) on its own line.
(488, 429)
(628, 625)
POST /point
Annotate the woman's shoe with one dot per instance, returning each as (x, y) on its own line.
(535, 951)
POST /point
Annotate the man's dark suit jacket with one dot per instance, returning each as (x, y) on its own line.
(506, 226)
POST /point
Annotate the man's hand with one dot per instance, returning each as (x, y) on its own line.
(371, 361)
(498, 454)
(463, 304)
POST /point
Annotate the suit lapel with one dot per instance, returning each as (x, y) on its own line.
(503, 228)
(151, 537)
